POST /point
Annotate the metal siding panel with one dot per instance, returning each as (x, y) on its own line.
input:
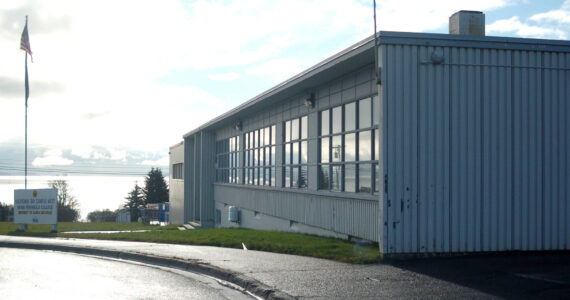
(492, 147)
(458, 149)
(343, 215)
(564, 211)
(548, 131)
(422, 150)
(386, 134)
(409, 119)
(518, 157)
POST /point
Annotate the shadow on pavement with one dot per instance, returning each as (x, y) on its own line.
(512, 275)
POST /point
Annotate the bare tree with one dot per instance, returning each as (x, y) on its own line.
(67, 204)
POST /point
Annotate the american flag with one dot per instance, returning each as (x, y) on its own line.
(25, 41)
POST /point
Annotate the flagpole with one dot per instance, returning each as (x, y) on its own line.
(26, 126)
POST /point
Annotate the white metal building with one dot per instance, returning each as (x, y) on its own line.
(462, 145)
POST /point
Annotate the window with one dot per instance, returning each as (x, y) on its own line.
(259, 166)
(349, 141)
(295, 152)
(227, 160)
(178, 171)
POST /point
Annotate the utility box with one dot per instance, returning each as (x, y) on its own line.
(233, 214)
(467, 22)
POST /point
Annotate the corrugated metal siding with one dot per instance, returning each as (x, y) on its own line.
(476, 149)
(355, 217)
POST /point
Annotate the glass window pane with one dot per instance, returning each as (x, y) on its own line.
(295, 177)
(376, 110)
(365, 145)
(246, 177)
(324, 177)
(376, 144)
(231, 144)
(287, 154)
(294, 129)
(247, 158)
(267, 136)
(304, 152)
(377, 178)
(287, 177)
(336, 148)
(272, 176)
(273, 134)
(304, 128)
(350, 147)
(267, 176)
(325, 122)
(364, 113)
(273, 155)
(350, 178)
(261, 157)
(336, 178)
(350, 116)
(237, 143)
(237, 176)
(288, 131)
(295, 152)
(325, 149)
(255, 176)
(255, 157)
(267, 156)
(364, 178)
(261, 137)
(337, 119)
(303, 177)
(256, 137)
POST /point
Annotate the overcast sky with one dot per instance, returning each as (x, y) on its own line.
(118, 82)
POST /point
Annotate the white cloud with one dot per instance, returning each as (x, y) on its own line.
(163, 161)
(550, 24)
(82, 151)
(561, 15)
(118, 154)
(277, 68)
(225, 76)
(101, 60)
(514, 25)
(53, 157)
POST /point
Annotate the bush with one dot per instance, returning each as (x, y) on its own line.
(104, 215)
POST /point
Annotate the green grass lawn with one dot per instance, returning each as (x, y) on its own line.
(271, 241)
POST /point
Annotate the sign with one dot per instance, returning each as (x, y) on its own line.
(35, 206)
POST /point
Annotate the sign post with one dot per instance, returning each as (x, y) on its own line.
(35, 207)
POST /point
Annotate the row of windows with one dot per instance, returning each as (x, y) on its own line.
(347, 155)
(259, 157)
(349, 152)
(227, 160)
(295, 152)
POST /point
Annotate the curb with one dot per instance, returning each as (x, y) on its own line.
(251, 285)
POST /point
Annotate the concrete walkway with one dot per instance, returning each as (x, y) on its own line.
(280, 276)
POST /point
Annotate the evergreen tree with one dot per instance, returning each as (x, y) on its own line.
(135, 198)
(155, 189)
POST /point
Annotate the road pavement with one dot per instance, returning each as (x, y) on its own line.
(271, 275)
(41, 274)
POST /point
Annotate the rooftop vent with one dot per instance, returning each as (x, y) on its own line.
(467, 22)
